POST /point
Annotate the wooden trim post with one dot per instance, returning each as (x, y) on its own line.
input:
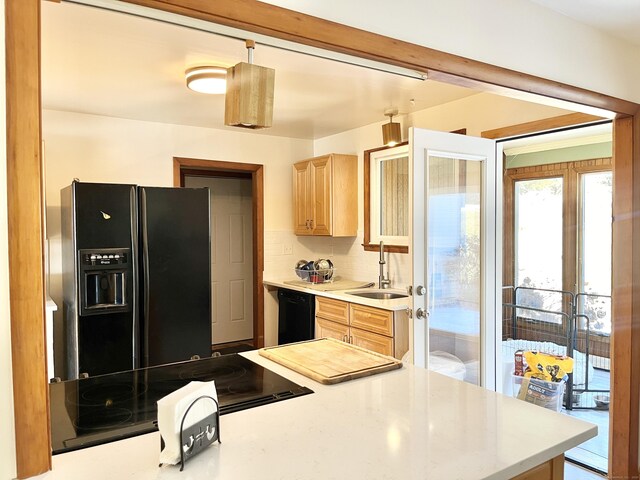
(26, 269)
(625, 335)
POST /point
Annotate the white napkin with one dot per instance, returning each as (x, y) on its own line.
(172, 408)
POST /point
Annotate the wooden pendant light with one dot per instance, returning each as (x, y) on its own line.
(249, 98)
(391, 134)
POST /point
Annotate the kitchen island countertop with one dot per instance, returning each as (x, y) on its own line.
(408, 423)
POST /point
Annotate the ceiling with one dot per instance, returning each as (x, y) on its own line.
(113, 64)
(619, 18)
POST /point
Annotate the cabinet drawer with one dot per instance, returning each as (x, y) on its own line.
(330, 309)
(329, 329)
(372, 341)
(372, 319)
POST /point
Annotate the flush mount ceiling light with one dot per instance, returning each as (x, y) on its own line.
(249, 99)
(391, 134)
(208, 79)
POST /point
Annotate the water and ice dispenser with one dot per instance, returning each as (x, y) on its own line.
(105, 275)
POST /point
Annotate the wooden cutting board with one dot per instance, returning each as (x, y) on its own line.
(330, 361)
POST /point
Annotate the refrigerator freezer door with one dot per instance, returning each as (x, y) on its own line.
(103, 215)
(100, 316)
(175, 275)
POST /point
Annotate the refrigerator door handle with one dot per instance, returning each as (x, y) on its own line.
(145, 273)
(133, 205)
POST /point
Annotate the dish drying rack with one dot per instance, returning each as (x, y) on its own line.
(316, 276)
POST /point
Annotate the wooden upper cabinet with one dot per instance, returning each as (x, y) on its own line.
(302, 197)
(325, 196)
(321, 195)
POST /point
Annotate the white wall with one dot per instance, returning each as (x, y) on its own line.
(516, 34)
(7, 431)
(104, 149)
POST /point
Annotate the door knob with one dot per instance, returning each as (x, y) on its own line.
(420, 313)
(421, 290)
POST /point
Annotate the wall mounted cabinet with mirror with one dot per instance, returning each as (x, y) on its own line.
(386, 198)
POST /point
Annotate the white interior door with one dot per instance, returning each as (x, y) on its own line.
(231, 257)
(454, 232)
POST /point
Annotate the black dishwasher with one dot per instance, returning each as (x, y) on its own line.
(296, 316)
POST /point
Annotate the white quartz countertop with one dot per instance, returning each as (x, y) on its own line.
(394, 304)
(405, 424)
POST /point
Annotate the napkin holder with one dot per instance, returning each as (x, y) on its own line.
(200, 435)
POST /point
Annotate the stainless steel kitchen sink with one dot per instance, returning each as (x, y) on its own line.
(379, 295)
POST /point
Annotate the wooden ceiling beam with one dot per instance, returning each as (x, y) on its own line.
(543, 125)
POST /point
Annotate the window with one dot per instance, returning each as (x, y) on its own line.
(558, 237)
(595, 250)
(386, 198)
(538, 245)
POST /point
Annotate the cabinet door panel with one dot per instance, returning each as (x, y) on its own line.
(372, 319)
(329, 329)
(372, 341)
(302, 198)
(335, 310)
(321, 181)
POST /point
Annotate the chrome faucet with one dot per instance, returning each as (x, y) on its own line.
(382, 281)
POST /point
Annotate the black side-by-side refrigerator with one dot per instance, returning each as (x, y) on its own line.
(136, 276)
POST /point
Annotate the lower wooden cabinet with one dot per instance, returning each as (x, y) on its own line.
(550, 470)
(372, 341)
(328, 329)
(371, 319)
(334, 310)
(376, 329)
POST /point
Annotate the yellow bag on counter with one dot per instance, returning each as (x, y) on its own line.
(546, 366)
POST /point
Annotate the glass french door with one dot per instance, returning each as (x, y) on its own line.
(454, 254)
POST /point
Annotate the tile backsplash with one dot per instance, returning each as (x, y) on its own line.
(283, 249)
